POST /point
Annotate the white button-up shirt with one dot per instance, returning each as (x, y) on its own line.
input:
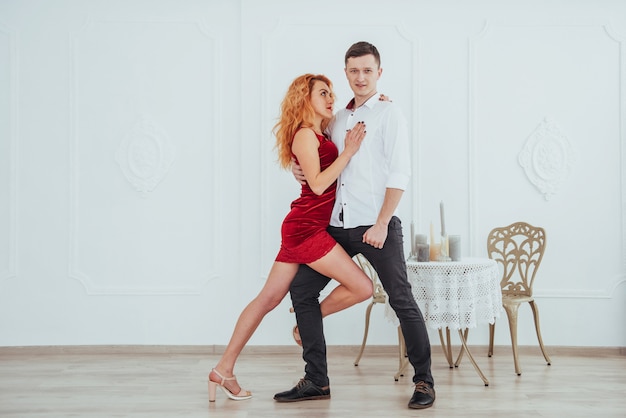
(382, 162)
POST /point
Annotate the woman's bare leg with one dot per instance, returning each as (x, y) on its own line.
(354, 285)
(273, 292)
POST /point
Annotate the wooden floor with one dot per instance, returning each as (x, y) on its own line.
(171, 382)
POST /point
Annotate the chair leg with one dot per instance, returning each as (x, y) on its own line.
(511, 313)
(469, 355)
(367, 326)
(535, 310)
(446, 346)
(403, 360)
(492, 331)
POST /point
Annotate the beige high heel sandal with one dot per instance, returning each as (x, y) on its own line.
(295, 332)
(296, 335)
(241, 396)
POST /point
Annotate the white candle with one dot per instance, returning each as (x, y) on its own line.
(443, 222)
(454, 242)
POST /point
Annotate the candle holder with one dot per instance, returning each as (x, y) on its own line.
(423, 252)
(419, 248)
(444, 254)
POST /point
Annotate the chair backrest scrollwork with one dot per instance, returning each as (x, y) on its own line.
(517, 248)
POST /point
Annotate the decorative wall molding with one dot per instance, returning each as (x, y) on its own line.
(471, 139)
(566, 153)
(266, 40)
(10, 58)
(547, 157)
(416, 128)
(145, 156)
(606, 293)
(619, 39)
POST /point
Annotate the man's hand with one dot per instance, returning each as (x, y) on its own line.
(376, 236)
(297, 172)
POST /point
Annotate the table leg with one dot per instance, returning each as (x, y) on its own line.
(462, 350)
(446, 346)
(469, 355)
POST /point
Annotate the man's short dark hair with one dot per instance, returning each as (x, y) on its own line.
(360, 49)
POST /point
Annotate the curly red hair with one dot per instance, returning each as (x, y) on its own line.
(296, 112)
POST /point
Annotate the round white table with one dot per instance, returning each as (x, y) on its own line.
(457, 295)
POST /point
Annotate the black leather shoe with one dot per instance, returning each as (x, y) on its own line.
(423, 397)
(305, 390)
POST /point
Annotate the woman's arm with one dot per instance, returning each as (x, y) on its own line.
(305, 147)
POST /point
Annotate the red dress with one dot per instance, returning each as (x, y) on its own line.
(304, 236)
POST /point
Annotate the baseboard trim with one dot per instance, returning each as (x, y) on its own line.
(384, 350)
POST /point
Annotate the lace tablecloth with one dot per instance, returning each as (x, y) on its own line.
(458, 294)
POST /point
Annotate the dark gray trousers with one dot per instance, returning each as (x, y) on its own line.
(391, 268)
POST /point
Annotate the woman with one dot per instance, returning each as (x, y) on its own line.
(305, 112)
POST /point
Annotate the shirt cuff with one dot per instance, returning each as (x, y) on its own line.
(398, 181)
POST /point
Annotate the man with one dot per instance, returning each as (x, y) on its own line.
(363, 221)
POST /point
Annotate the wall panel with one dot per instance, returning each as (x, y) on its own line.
(8, 152)
(547, 140)
(146, 129)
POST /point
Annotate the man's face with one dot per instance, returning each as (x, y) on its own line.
(363, 74)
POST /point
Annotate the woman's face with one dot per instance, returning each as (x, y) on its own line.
(322, 99)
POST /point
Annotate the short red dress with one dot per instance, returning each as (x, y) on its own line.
(304, 235)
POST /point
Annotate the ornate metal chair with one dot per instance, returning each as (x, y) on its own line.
(518, 248)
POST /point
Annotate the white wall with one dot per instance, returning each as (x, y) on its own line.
(140, 202)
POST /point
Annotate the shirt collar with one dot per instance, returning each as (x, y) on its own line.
(371, 102)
